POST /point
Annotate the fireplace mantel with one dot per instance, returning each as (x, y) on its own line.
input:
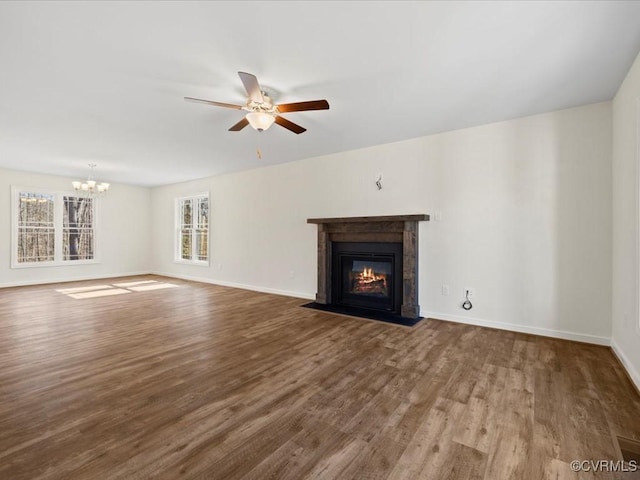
(384, 218)
(389, 228)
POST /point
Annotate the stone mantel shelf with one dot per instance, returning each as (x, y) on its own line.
(385, 228)
(385, 218)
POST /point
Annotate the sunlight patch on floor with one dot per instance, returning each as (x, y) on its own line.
(157, 286)
(133, 284)
(96, 291)
(68, 291)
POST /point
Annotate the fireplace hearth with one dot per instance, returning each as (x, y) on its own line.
(368, 267)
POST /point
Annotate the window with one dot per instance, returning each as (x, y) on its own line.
(192, 229)
(51, 228)
(36, 228)
(77, 228)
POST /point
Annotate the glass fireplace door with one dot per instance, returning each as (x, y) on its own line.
(367, 281)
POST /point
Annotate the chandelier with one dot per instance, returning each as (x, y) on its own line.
(90, 187)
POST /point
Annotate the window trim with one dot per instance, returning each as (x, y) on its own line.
(177, 257)
(637, 216)
(58, 229)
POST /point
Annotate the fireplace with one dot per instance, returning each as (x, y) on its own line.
(368, 266)
(367, 275)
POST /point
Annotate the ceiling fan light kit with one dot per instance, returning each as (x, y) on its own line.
(262, 112)
(260, 121)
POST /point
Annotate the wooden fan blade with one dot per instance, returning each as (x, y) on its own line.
(217, 104)
(252, 86)
(295, 128)
(240, 125)
(303, 106)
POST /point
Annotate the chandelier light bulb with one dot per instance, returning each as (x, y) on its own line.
(90, 187)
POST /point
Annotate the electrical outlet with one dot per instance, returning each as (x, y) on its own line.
(292, 274)
(445, 289)
(469, 292)
(438, 216)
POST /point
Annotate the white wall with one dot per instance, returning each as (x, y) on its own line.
(123, 242)
(626, 332)
(525, 204)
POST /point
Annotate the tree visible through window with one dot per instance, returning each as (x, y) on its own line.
(52, 228)
(192, 228)
(77, 224)
(36, 239)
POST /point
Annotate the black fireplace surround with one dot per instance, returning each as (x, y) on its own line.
(367, 275)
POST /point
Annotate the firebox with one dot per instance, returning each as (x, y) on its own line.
(367, 275)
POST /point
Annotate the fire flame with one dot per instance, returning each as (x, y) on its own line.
(368, 276)
(368, 281)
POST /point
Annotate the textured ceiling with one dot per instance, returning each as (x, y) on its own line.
(104, 82)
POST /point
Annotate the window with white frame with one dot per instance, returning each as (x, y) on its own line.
(637, 306)
(51, 228)
(77, 228)
(192, 229)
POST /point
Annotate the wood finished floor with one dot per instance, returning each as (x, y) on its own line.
(208, 382)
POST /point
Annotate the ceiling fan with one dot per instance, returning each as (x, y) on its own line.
(262, 112)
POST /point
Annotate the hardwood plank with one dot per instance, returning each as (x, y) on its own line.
(509, 456)
(427, 453)
(465, 463)
(484, 416)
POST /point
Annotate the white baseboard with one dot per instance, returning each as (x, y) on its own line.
(253, 288)
(545, 332)
(83, 278)
(634, 375)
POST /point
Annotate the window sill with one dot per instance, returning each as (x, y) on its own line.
(197, 263)
(70, 263)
